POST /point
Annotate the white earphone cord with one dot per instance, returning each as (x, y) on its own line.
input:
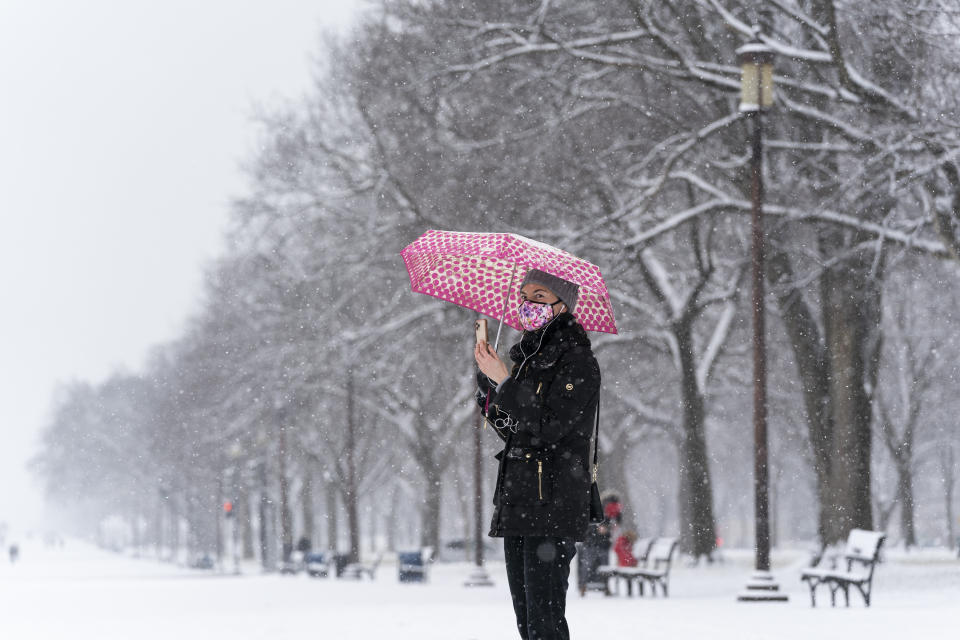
(509, 422)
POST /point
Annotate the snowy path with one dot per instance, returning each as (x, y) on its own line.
(81, 592)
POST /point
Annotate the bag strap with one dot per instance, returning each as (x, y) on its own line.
(596, 439)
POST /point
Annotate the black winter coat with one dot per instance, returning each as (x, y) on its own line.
(545, 414)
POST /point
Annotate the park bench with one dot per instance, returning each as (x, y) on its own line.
(641, 551)
(657, 567)
(590, 562)
(412, 565)
(861, 554)
(317, 565)
(289, 567)
(356, 570)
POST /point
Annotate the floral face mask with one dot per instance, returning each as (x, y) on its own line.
(535, 315)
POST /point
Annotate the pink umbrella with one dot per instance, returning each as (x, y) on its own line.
(481, 271)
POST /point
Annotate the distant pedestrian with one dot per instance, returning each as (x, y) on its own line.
(594, 553)
(623, 547)
(544, 409)
(304, 545)
(612, 513)
(14, 552)
(612, 508)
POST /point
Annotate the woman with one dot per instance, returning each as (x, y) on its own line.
(544, 409)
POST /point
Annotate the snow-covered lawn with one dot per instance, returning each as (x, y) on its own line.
(81, 592)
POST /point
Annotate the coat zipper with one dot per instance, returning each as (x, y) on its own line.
(516, 376)
(540, 478)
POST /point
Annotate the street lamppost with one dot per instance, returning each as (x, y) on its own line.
(756, 95)
(479, 577)
(234, 453)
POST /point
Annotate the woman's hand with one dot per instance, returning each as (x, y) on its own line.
(490, 363)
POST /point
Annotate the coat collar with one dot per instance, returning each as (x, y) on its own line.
(561, 334)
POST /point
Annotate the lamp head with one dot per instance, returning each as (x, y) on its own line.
(756, 76)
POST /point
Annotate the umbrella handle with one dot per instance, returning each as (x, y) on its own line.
(503, 312)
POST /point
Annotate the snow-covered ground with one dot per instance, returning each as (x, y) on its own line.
(81, 592)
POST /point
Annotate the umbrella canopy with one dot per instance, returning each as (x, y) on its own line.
(482, 272)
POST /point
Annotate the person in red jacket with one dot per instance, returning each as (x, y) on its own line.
(624, 549)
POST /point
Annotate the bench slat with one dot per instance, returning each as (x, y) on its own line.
(863, 545)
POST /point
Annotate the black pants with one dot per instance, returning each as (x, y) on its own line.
(537, 571)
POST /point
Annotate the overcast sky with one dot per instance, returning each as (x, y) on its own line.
(122, 127)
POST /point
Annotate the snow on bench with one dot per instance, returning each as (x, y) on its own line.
(862, 553)
(607, 572)
(653, 566)
(356, 570)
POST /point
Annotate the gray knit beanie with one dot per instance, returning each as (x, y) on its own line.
(565, 290)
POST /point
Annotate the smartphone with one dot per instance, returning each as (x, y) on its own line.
(481, 328)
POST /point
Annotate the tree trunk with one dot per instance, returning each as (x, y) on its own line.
(810, 355)
(885, 514)
(306, 506)
(350, 496)
(333, 528)
(697, 526)
(613, 477)
(158, 524)
(218, 520)
(286, 513)
(430, 532)
(463, 495)
(663, 515)
(263, 518)
(372, 524)
(137, 538)
(775, 521)
(838, 373)
(393, 508)
(905, 498)
(175, 542)
(851, 302)
(245, 522)
(949, 479)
